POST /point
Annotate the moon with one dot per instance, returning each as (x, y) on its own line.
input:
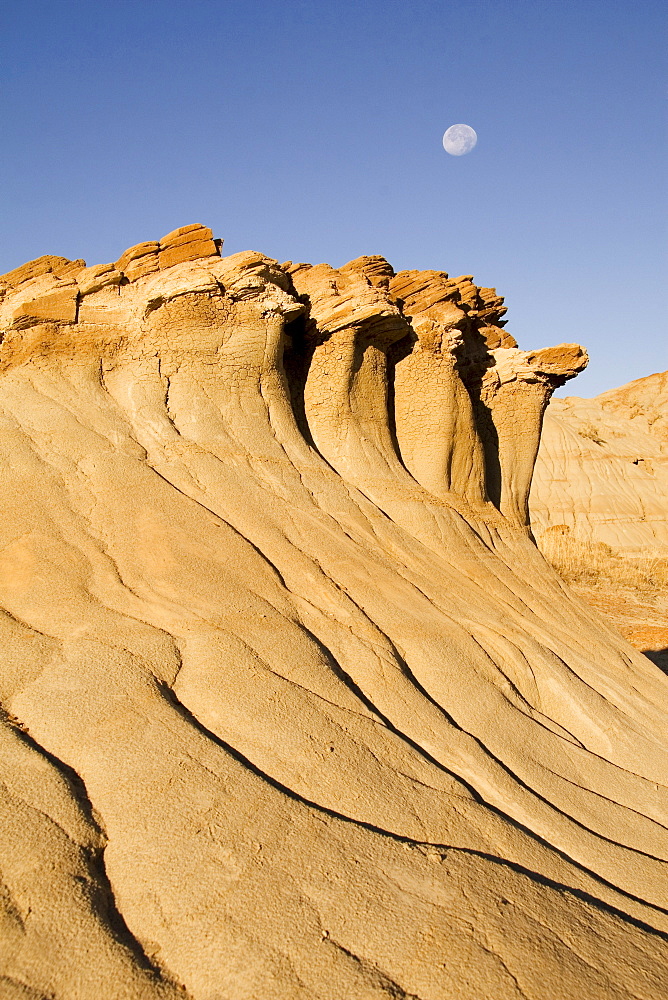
(459, 139)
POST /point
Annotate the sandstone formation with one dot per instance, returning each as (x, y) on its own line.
(602, 468)
(599, 504)
(292, 706)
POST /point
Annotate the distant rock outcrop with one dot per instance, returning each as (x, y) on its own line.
(292, 706)
(602, 468)
(599, 505)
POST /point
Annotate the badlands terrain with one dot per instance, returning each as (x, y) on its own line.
(293, 708)
(599, 505)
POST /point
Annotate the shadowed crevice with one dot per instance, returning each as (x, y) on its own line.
(659, 657)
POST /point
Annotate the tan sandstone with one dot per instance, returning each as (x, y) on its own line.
(599, 505)
(603, 467)
(292, 706)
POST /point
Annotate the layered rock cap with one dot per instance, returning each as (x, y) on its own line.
(421, 359)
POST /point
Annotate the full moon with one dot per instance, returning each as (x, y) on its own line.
(459, 139)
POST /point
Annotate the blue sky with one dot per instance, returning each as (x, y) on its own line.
(312, 131)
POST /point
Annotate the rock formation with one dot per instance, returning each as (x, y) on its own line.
(292, 705)
(602, 468)
(599, 503)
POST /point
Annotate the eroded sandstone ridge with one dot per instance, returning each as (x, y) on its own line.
(293, 706)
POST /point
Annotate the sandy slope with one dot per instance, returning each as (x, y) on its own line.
(292, 708)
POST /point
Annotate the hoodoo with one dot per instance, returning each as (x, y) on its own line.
(293, 707)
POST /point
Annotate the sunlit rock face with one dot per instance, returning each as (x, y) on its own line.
(602, 468)
(293, 707)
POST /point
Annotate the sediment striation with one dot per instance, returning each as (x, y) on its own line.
(602, 468)
(292, 706)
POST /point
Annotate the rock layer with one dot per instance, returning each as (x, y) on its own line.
(602, 468)
(293, 705)
(599, 505)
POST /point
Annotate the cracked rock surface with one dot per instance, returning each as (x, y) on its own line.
(292, 706)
